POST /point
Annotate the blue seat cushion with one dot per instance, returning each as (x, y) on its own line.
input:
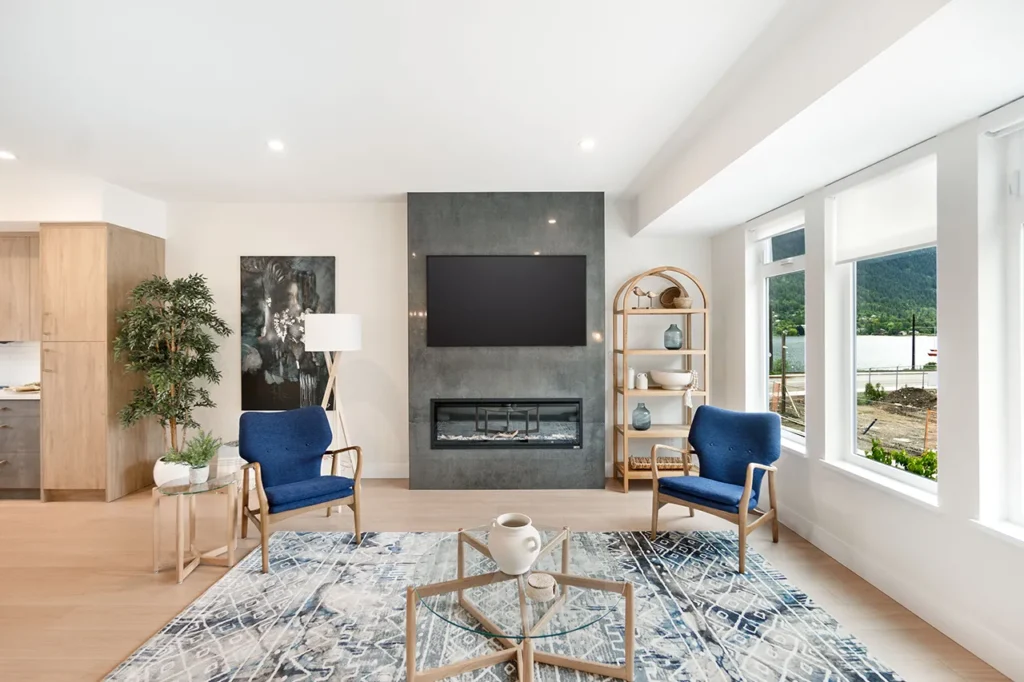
(706, 492)
(307, 493)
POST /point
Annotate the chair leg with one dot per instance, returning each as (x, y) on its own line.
(775, 526)
(692, 513)
(265, 540)
(743, 546)
(329, 510)
(775, 509)
(654, 516)
(245, 504)
(355, 520)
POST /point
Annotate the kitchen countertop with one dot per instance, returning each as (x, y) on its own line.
(11, 395)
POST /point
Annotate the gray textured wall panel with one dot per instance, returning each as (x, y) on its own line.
(503, 224)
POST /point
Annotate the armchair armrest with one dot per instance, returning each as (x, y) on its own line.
(260, 493)
(748, 486)
(654, 459)
(359, 460)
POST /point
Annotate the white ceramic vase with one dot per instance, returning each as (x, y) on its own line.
(165, 472)
(198, 474)
(514, 543)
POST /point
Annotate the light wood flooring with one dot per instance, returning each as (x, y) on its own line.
(77, 591)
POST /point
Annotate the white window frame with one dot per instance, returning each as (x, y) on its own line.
(1014, 221)
(853, 454)
(767, 269)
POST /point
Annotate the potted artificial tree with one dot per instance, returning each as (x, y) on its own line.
(166, 334)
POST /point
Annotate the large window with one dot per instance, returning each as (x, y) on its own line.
(784, 329)
(896, 360)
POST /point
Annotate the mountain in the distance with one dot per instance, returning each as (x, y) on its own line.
(890, 291)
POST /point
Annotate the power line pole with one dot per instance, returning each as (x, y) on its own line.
(913, 342)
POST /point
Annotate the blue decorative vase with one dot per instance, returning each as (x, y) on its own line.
(673, 337)
(641, 418)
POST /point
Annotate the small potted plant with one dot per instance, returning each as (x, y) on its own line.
(198, 452)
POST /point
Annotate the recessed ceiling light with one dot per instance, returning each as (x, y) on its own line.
(551, 221)
(275, 145)
(7, 156)
(536, 253)
(587, 144)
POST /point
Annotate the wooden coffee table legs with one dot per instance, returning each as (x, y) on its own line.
(519, 649)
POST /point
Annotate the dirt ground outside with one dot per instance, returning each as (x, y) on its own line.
(897, 420)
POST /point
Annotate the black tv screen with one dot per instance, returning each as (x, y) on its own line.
(506, 300)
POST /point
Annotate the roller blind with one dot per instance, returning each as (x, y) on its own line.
(893, 213)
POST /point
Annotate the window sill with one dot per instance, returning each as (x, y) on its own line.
(1007, 531)
(920, 497)
(793, 445)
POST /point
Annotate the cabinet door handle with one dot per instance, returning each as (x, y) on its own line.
(5, 409)
(3, 462)
(6, 426)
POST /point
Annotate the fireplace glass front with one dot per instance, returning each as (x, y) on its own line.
(503, 423)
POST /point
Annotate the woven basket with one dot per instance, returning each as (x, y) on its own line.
(664, 464)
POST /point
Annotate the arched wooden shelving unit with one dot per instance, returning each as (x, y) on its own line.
(694, 355)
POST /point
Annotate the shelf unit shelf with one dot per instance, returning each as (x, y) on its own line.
(661, 311)
(657, 392)
(660, 351)
(694, 355)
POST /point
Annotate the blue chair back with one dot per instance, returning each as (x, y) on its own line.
(727, 441)
(289, 446)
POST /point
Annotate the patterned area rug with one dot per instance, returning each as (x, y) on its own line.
(332, 610)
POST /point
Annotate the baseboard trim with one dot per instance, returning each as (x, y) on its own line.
(1002, 654)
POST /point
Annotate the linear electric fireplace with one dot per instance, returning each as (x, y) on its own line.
(504, 423)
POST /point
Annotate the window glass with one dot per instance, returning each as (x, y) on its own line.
(786, 352)
(788, 245)
(896, 361)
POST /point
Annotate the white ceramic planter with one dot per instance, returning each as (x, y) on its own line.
(165, 472)
(514, 543)
(198, 474)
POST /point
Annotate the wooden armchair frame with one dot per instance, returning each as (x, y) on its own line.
(266, 518)
(740, 519)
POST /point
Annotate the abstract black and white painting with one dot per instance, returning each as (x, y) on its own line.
(277, 293)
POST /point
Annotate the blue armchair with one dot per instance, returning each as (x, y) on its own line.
(734, 450)
(284, 450)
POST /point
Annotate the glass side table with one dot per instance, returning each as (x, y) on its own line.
(182, 490)
(504, 609)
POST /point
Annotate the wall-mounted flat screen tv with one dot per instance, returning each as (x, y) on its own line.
(506, 300)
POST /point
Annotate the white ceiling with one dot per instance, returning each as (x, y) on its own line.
(177, 99)
(963, 61)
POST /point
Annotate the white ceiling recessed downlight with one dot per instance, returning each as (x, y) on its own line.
(587, 144)
(551, 221)
(275, 145)
(7, 156)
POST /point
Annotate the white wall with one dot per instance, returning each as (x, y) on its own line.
(369, 242)
(627, 256)
(30, 194)
(934, 557)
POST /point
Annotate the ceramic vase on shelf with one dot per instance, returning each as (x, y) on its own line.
(673, 337)
(631, 379)
(641, 381)
(514, 543)
(198, 474)
(641, 418)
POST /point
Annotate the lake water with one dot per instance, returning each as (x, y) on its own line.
(873, 352)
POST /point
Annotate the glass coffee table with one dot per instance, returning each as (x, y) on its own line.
(509, 611)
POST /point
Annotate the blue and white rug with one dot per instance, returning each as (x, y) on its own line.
(332, 610)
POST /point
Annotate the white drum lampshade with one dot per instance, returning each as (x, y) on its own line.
(333, 332)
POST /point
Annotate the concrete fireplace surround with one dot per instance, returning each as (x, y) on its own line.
(506, 224)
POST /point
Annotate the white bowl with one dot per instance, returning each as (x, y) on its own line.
(674, 379)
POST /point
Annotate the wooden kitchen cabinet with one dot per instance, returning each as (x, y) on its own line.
(19, 287)
(73, 274)
(87, 271)
(19, 448)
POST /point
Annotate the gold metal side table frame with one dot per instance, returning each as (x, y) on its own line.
(519, 648)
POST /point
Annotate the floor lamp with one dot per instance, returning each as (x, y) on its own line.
(332, 334)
